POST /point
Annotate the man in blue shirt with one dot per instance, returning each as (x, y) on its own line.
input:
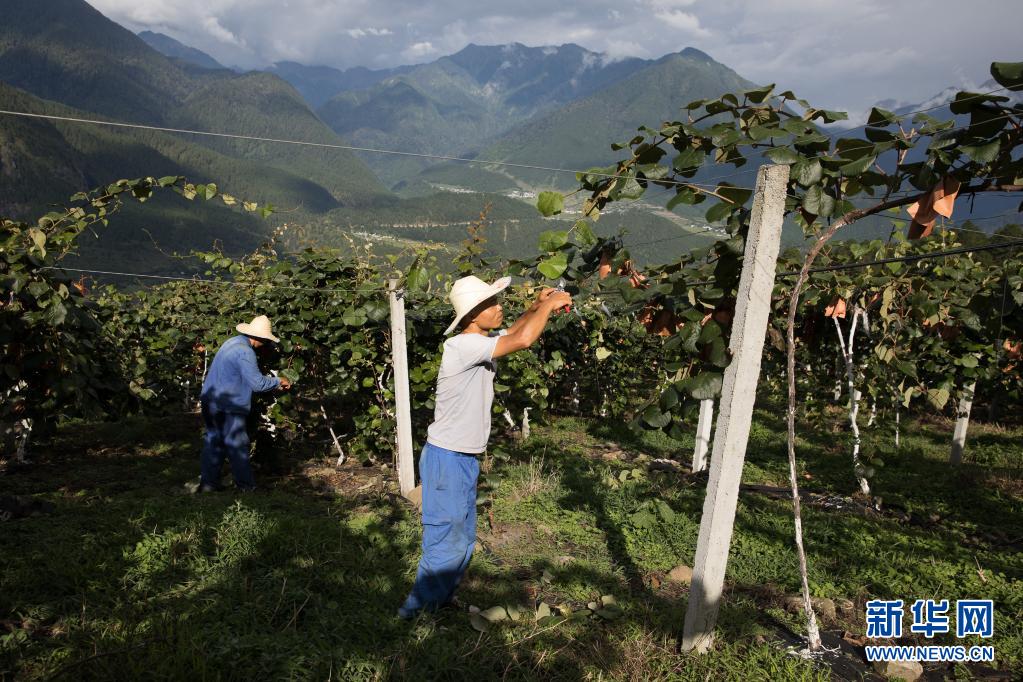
(226, 400)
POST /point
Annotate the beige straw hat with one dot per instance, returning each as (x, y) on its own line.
(259, 328)
(469, 292)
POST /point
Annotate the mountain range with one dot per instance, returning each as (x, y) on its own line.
(64, 58)
(557, 107)
(174, 49)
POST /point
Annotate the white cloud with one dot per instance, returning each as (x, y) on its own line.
(369, 31)
(617, 50)
(416, 51)
(217, 31)
(683, 21)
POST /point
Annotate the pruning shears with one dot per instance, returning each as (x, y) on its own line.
(567, 308)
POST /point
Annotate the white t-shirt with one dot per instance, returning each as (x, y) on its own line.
(465, 394)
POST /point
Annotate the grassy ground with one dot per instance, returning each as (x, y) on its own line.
(127, 577)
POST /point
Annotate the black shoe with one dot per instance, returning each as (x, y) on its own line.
(207, 488)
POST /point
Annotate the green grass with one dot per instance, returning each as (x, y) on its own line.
(128, 577)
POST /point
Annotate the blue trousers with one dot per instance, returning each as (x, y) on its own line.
(449, 527)
(225, 436)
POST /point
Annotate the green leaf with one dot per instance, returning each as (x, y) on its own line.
(817, 202)
(938, 397)
(550, 203)
(168, 180)
(782, 155)
(417, 278)
(554, 266)
(478, 622)
(907, 396)
(969, 361)
(56, 313)
(758, 95)
(665, 511)
(290, 374)
(719, 211)
(655, 418)
(726, 138)
(584, 232)
(881, 117)
(718, 354)
(965, 102)
(984, 124)
(984, 153)
(669, 399)
(652, 171)
(552, 240)
(828, 116)
(602, 353)
(758, 133)
(684, 195)
(857, 167)
(629, 188)
(688, 159)
(737, 195)
(38, 238)
(879, 135)
(377, 310)
(1008, 74)
(795, 126)
(906, 368)
(706, 385)
(807, 172)
(354, 317)
(211, 191)
(690, 337)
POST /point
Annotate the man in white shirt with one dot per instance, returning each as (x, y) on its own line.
(448, 467)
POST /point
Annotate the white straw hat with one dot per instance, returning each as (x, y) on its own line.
(259, 328)
(469, 292)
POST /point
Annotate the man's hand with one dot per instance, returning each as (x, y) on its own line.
(285, 384)
(558, 299)
(545, 294)
(546, 298)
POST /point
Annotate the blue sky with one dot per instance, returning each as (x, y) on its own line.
(839, 54)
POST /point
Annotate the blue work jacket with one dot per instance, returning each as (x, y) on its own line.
(233, 377)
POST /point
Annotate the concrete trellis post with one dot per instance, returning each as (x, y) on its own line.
(403, 409)
(703, 435)
(962, 424)
(735, 412)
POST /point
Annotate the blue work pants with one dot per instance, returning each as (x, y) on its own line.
(449, 527)
(225, 435)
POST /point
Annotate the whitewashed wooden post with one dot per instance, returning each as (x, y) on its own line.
(962, 424)
(735, 412)
(402, 407)
(703, 435)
